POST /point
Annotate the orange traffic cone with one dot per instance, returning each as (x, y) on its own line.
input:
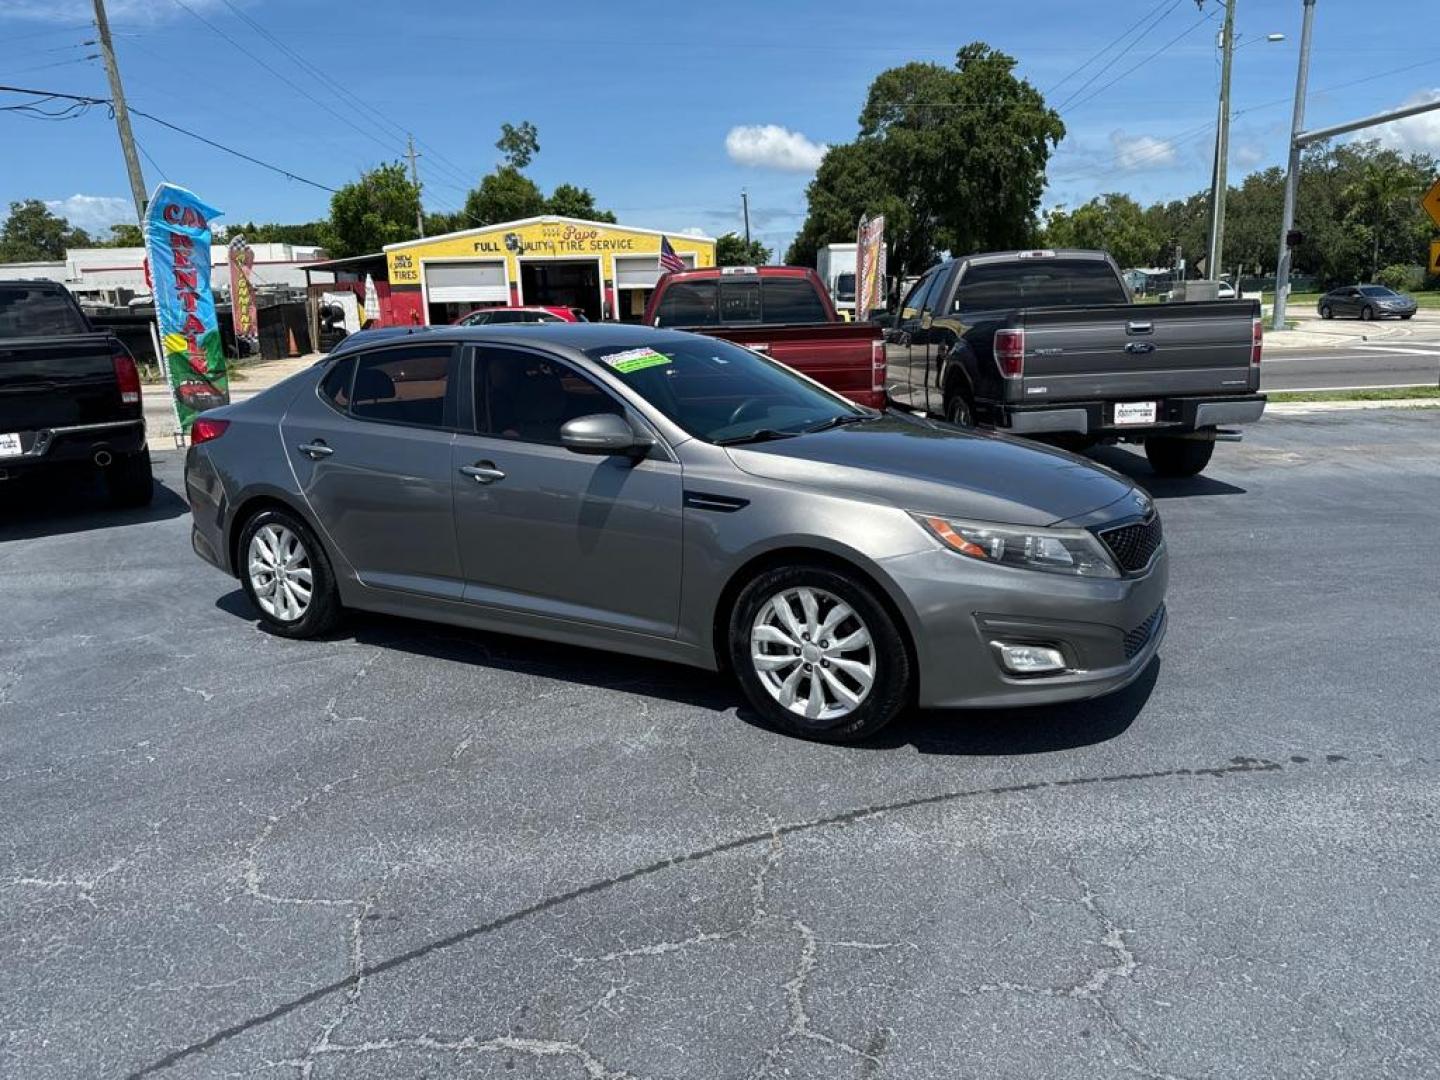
(294, 348)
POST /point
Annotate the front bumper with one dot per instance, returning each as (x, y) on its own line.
(1174, 416)
(1107, 630)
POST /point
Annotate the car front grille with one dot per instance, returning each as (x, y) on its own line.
(1137, 639)
(1134, 545)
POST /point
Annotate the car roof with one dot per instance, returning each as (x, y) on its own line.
(576, 336)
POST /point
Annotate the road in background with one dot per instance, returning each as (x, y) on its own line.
(415, 850)
(1340, 353)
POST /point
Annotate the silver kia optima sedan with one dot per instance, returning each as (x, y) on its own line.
(673, 496)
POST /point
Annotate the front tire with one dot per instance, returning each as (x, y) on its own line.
(1408, 315)
(1367, 313)
(818, 655)
(129, 482)
(1325, 312)
(286, 575)
(1179, 457)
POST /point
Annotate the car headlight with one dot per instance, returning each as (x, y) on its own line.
(1057, 551)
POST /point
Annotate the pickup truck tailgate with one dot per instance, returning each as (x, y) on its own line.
(839, 354)
(1137, 350)
(49, 382)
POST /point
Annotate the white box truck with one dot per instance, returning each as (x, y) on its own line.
(835, 263)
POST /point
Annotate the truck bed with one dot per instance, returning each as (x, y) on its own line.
(837, 354)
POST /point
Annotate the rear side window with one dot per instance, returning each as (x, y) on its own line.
(687, 303)
(402, 386)
(335, 387)
(794, 300)
(1039, 283)
(38, 311)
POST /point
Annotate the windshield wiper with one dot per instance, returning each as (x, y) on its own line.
(838, 421)
(763, 434)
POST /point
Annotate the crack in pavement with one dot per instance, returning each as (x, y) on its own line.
(1238, 766)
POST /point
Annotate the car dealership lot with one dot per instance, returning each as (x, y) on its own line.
(413, 850)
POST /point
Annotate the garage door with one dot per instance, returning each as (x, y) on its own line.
(642, 271)
(474, 281)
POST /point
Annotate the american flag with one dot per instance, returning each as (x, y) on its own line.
(669, 261)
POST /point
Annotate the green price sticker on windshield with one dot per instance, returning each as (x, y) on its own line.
(635, 360)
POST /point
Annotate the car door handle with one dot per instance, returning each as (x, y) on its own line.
(483, 473)
(315, 450)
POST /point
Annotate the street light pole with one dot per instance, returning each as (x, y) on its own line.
(1292, 174)
(1220, 183)
(745, 203)
(122, 114)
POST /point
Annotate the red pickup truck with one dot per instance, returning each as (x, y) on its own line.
(782, 311)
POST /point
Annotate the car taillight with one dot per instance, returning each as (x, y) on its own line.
(127, 375)
(1257, 339)
(877, 366)
(1010, 352)
(205, 429)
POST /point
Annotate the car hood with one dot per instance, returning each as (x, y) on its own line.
(926, 466)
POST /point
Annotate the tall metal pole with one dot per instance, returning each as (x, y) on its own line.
(745, 202)
(1220, 183)
(415, 179)
(122, 114)
(1292, 173)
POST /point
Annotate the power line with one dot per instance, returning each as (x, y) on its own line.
(81, 103)
(44, 67)
(1155, 22)
(1130, 71)
(285, 78)
(1116, 41)
(45, 33)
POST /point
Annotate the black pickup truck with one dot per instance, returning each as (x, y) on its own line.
(1047, 344)
(69, 395)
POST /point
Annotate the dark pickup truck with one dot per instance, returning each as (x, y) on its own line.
(1047, 344)
(69, 394)
(783, 312)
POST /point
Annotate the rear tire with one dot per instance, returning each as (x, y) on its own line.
(129, 482)
(834, 669)
(959, 411)
(286, 575)
(1179, 457)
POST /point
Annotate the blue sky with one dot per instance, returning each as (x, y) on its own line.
(641, 102)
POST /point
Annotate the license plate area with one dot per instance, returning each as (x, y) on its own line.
(10, 444)
(1135, 412)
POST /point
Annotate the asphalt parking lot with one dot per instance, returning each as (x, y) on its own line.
(412, 851)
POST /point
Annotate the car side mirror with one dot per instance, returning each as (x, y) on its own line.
(603, 434)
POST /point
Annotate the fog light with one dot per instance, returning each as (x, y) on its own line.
(1030, 659)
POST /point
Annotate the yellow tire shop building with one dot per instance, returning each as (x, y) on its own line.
(607, 271)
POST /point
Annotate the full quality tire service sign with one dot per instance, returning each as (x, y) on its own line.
(177, 243)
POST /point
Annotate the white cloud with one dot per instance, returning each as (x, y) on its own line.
(770, 146)
(1415, 134)
(1247, 155)
(1136, 152)
(93, 213)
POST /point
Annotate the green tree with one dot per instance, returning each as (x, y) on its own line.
(567, 200)
(1375, 194)
(307, 233)
(518, 144)
(954, 157)
(1113, 223)
(506, 194)
(437, 223)
(32, 233)
(376, 210)
(731, 250)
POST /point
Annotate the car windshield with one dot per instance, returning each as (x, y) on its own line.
(722, 393)
(1378, 290)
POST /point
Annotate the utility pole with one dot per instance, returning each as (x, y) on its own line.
(745, 203)
(1220, 184)
(1292, 174)
(415, 179)
(122, 114)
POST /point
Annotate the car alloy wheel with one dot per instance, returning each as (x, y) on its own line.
(813, 654)
(1325, 311)
(1367, 313)
(280, 573)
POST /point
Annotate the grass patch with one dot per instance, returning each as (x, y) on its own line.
(1393, 393)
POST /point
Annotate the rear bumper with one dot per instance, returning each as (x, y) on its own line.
(74, 443)
(1175, 415)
